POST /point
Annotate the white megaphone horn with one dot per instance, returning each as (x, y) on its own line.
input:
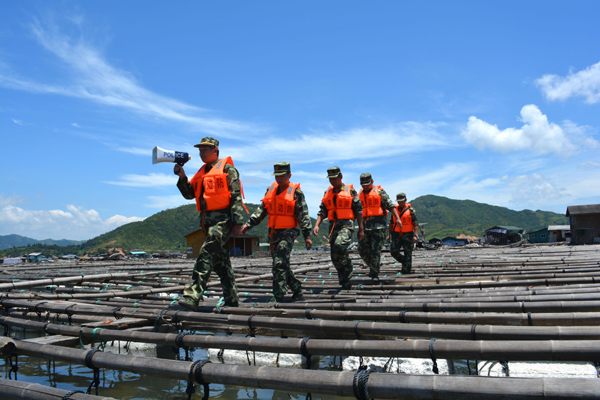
(161, 155)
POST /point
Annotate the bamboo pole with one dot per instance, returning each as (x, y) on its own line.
(414, 283)
(412, 312)
(72, 279)
(559, 350)
(332, 328)
(519, 319)
(97, 295)
(379, 385)
(15, 390)
(514, 307)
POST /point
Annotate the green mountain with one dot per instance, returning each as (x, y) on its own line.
(165, 230)
(8, 241)
(447, 217)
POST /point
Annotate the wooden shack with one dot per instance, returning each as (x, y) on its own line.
(585, 223)
(559, 233)
(451, 241)
(539, 236)
(502, 235)
(36, 257)
(243, 245)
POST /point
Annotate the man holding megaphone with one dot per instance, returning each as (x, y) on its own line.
(216, 188)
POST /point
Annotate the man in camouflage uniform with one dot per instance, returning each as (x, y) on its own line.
(374, 201)
(218, 224)
(341, 206)
(282, 235)
(404, 236)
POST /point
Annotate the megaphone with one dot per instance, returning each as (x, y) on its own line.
(161, 155)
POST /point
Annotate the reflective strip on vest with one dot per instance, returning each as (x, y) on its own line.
(281, 207)
(212, 186)
(371, 202)
(342, 209)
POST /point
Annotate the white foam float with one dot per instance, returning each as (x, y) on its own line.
(541, 370)
(396, 365)
(132, 348)
(257, 358)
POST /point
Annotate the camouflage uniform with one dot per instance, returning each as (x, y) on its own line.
(282, 243)
(340, 237)
(217, 226)
(375, 235)
(404, 241)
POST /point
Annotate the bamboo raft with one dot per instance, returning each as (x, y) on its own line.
(486, 308)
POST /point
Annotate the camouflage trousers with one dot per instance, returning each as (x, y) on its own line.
(339, 241)
(370, 249)
(283, 276)
(402, 241)
(214, 254)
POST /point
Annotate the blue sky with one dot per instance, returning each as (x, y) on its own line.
(497, 102)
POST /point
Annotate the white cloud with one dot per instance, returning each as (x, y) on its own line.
(433, 181)
(18, 122)
(537, 135)
(589, 165)
(132, 150)
(150, 180)
(75, 124)
(92, 78)
(534, 189)
(164, 202)
(585, 83)
(356, 143)
(13, 200)
(75, 223)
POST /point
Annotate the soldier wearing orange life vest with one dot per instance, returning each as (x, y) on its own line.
(217, 191)
(376, 204)
(285, 205)
(403, 236)
(341, 206)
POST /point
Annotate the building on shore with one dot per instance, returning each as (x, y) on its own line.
(559, 233)
(502, 235)
(243, 245)
(539, 236)
(584, 223)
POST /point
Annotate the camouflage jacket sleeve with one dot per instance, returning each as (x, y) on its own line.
(322, 210)
(386, 202)
(233, 181)
(186, 189)
(413, 215)
(257, 216)
(356, 204)
(301, 212)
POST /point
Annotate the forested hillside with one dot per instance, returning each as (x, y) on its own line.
(447, 217)
(165, 230)
(8, 241)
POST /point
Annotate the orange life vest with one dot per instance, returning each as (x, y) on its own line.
(405, 218)
(342, 209)
(371, 202)
(281, 206)
(213, 186)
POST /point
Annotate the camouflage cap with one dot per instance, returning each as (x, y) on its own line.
(333, 172)
(366, 179)
(401, 197)
(208, 141)
(281, 168)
